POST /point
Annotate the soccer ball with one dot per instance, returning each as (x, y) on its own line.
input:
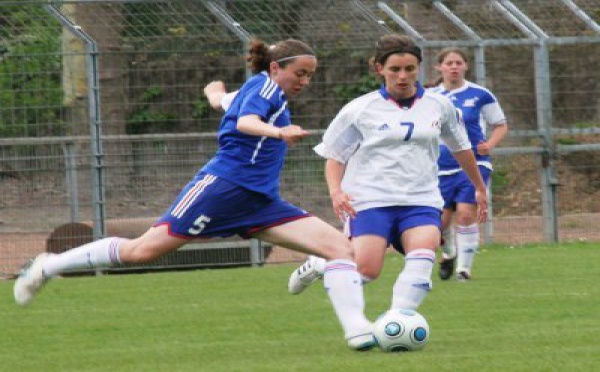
(399, 330)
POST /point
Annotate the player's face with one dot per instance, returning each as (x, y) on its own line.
(400, 73)
(453, 68)
(295, 76)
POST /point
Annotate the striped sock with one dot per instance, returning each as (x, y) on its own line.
(467, 244)
(98, 254)
(414, 282)
(344, 287)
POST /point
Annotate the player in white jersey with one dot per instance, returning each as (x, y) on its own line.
(381, 170)
(479, 108)
(237, 192)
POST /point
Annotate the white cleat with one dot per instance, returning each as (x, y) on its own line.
(463, 276)
(306, 274)
(362, 342)
(30, 280)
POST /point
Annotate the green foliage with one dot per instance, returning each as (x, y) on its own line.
(500, 179)
(151, 93)
(145, 119)
(586, 124)
(528, 308)
(567, 141)
(153, 23)
(367, 83)
(201, 109)
(30, 77)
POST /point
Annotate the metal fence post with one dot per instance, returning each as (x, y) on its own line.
(93, 80)
(71, 180)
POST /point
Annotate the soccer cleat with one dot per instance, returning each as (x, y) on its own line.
(463, 276)
(30, 280)
(446, 268)
(362, 342)
(305, 275)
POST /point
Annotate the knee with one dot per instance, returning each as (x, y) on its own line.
(368, 273)
(339, 249)
(369, 268)
(465, 219)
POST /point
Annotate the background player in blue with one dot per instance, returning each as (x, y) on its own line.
(479, 108)
(237, 192)
(381, 168)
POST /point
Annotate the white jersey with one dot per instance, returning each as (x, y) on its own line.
(227, 99)
(390, 151)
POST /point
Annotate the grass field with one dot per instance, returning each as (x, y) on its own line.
(531, 308)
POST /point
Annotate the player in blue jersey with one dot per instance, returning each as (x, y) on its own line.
(381, 168)
(237, 192)
(479, 108)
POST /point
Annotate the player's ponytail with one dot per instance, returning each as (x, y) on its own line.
(260, 55)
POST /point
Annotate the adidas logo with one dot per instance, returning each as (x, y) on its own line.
(384, 127)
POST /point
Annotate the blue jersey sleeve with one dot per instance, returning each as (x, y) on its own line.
(261, 100)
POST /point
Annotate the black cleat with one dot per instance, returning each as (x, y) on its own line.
(447, 268)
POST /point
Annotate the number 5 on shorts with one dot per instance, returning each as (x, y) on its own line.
(199, 225)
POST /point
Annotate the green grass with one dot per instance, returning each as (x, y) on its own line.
(532, 308)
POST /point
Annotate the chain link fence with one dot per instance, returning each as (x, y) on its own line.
(102, 117)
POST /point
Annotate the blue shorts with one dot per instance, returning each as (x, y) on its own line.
(210, 206)
(457, 188)
(391, 222)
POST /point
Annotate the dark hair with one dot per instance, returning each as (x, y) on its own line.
(441, 56)
(392, 44)
(260, 55)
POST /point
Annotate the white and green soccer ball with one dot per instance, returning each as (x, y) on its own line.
(399, 330)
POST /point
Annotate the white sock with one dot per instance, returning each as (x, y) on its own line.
(101, 253)
(414, 282)
(365, 279)
(467, 243)
(320, 268)
(343, 285)
(449, 246)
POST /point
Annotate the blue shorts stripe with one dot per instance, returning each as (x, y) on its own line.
(191, 195)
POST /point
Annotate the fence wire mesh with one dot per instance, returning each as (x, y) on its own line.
(101, 105)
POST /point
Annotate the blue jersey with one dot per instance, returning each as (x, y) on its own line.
(252, 162)
(479, 107)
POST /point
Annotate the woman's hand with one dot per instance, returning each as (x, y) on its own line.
(482, 205)
(292, 134)
(342, 205)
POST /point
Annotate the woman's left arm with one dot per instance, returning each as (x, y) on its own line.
(254, 126)
(498, 134)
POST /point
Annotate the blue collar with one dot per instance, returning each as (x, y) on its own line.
(403, 103)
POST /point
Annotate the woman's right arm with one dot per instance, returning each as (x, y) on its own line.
(334, 173)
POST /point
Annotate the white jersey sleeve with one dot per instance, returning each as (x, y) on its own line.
(342, 138)
(453, 131)
(227, 99)
(492, 113)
